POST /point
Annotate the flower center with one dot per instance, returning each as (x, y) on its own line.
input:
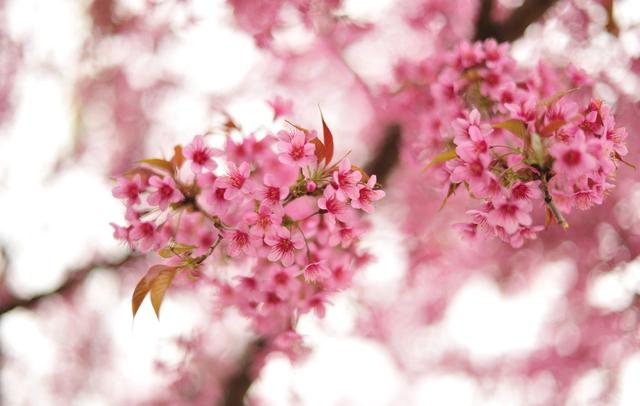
(297, 152)
(571, 157)
(200, 157)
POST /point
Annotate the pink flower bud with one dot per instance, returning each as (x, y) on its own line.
(311, 186)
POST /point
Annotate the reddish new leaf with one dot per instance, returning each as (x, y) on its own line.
(178, 157)
(328, 140)
(320, 150)
(551, 127)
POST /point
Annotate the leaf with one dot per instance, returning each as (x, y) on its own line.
(159, 163)
(365, 176)
(514, 126)
(175, 248)
(145, 285)
(452, 190)
(229, 125)
(555, 97)
(619, 158)
(145, 173)
(320, 149)
(328, 140)
(178, 157)
(297, 127)
(551, 127)
(139, 293)
(440, 158)
(159, 286)
(538, 148)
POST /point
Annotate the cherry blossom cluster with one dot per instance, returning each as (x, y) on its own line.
(277, 208)
(518, 138)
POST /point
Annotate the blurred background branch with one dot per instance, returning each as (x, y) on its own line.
(514, 26)
(9, 301)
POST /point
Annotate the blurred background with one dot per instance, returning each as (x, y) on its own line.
(87, 87)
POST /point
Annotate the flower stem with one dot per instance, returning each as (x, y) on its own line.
(548, 201)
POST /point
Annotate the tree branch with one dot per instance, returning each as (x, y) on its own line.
(387, 155)
(239, 383)
(515, 25)
(8, 301)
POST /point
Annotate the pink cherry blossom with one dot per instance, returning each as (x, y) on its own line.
(283, 243)
(572, 160)
(200, 155)
(316, 272)
(235, 182)
(129, 189)
(295, 149)
(165, 192)
(367, 194)
(281, 107)
(345, 181)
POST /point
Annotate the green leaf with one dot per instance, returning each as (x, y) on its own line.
(159, 287)
(440, 158)
(514, 126)
(174, 249)
(538, 149)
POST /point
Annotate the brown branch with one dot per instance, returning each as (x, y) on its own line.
(387, 155)
(515, 25)
(239, 383)
(9, 301)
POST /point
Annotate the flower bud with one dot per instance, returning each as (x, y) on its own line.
(311, 186)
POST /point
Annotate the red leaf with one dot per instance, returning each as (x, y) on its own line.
(178, 157)
(551, 127)
(328, 140)
(320, 149)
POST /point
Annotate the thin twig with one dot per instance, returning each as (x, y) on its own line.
(548, 201)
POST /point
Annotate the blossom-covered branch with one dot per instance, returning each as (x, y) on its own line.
(278, 206)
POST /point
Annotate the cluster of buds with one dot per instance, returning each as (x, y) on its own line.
(278, 208)
(512, 145)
